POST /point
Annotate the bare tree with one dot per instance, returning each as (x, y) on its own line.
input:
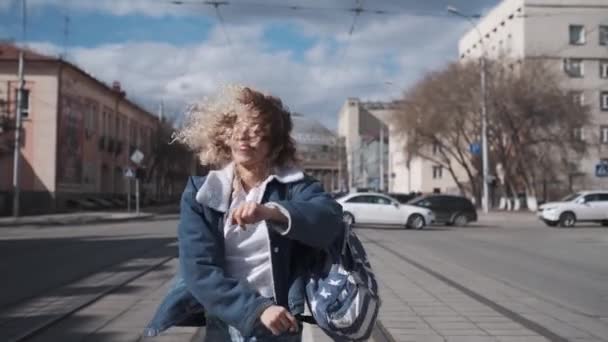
(531, 124)
(437, 122)
(170, 163)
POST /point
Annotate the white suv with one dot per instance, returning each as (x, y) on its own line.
(587, 206)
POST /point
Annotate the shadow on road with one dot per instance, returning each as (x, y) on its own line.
(32, 267)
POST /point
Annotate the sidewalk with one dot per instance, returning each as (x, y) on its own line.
(419, 307)
(494, 216)
(428, 299)
(84, 217)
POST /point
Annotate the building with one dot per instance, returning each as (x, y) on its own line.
(320, 152)
(363, 125)
(571, 35)
(77, 138)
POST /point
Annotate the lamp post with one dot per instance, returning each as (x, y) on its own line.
(18, 118)
(484, 116)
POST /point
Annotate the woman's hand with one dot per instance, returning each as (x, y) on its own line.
(278, 320)
(252, 212)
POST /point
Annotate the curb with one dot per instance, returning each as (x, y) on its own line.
(75, 221)
(381, 334)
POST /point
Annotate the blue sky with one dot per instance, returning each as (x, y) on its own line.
(179, 53)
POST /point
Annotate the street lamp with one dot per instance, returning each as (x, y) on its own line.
(19, 118)
(484, 116)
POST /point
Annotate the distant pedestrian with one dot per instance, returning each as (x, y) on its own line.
(247, 229)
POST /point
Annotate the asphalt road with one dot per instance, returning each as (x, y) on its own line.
(564, 266)
(37, 259)
(567, 267)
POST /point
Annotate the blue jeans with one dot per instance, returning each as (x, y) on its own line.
(218, 331)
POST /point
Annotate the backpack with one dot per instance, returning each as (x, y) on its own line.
(342, 292)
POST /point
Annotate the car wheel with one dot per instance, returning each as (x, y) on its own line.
(551, 223)
(461, 220)
(567, 220)
(416, 221)
(348, 218)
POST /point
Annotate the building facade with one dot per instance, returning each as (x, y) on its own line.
(570, 35)
(320, 151)
(77, 138)
(363, 126)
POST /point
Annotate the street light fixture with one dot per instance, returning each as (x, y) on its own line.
(484, 116)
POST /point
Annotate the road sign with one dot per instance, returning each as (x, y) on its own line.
(601, 169)
(129, 172)
(475, 148)
(137, 157)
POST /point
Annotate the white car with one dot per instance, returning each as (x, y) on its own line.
(586, 206)
(376, 208)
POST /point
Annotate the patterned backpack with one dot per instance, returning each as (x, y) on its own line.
(342, 293)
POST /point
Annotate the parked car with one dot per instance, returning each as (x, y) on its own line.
(586, 206)
(448, 209)
(402, 197)
(376, 208)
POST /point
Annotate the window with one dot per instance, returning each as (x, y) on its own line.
(104, 115)
(578, 97)
(573, 67)
(578, 134)
(604, 68)
(604, 100)
(577, 35)
(25, 102)
(117, 125)
(592, 198)
(436, 148)
(603, 35)
(603, 197)
(369, 200)
(382, 200)
(437, 172)
(604, 134)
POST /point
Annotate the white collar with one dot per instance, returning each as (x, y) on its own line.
(215, 191)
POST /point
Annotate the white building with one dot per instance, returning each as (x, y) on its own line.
(361, 124)
(573, 36)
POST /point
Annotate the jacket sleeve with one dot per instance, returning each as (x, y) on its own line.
(315, 219)
(201, 259)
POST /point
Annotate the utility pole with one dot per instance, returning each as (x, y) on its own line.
(18, 114)
(484, 116)
(484, 137)
(66, 34)
(381, 147)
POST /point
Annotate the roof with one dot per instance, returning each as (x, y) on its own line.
(310, 131)
(10, 52)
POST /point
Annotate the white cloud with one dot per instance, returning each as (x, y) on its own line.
(152, 8)
(396, 49)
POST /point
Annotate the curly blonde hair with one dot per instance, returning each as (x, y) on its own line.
(209, 125)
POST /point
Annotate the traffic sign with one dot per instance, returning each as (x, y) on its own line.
(601, 169)
(137, 157)
(129, 172)
(475, 148)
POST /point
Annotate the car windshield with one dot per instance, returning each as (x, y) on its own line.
(571, 197)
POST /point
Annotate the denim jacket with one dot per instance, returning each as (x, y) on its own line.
(314, 222)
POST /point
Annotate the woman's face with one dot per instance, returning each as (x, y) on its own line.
(249, 143)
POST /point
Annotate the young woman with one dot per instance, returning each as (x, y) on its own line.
(248, 228)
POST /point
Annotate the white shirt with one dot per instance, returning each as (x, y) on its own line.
(247, 252)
